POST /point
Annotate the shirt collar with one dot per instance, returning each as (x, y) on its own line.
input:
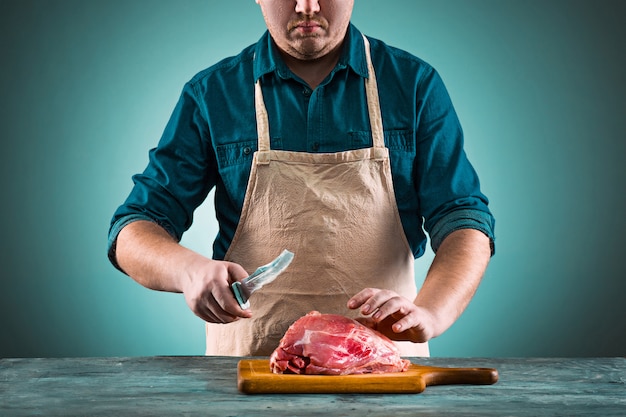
(268, 60)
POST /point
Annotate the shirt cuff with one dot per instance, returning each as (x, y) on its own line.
(114, 231)
(463, 219)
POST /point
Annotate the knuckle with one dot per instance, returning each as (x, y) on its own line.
(368, 292)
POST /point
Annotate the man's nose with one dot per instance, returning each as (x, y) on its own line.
(307, 7)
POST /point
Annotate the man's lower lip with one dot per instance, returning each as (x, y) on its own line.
(307, 29)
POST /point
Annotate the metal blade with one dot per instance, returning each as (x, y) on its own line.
(262, 276)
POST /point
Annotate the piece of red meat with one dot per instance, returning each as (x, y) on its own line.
(330, 344)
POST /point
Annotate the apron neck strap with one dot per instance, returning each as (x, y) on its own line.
(262, 123)
(373, 107)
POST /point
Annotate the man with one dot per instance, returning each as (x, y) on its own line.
(329, 144)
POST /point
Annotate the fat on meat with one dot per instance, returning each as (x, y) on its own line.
(330, 344)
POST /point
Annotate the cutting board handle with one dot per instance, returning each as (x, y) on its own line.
(446, 376)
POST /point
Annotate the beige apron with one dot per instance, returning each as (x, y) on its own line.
(337, 213)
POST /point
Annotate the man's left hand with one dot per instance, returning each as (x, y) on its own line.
(393, 315)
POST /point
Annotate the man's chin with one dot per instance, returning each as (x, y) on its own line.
(310, 47)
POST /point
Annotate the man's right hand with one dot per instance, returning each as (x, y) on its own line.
(208, 293)
(153, 258)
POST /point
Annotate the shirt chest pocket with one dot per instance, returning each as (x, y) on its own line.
(234, 162)
(235, 153)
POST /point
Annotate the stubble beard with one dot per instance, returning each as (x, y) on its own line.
(308, 46)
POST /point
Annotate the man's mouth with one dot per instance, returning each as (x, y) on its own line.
(306, 26)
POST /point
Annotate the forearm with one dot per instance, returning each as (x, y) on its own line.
(454, 276)
(149, 255)
(153, 258)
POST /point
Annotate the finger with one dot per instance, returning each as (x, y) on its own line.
(211, 308)
(236, 272)
(388, 307)
(386, 327)
(205, 313)
(367, 322)
(379, 299)
(209, 316)
(218, 312)
(410, 327)
(225, 299)
(402, 322)
(223, 295)
(360, 298)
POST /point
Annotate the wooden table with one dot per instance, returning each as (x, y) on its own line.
(169, 386)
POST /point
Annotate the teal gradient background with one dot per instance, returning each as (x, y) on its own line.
(86, 88)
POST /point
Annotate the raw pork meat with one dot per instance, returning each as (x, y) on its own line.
(330, 344)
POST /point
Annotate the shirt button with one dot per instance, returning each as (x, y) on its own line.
(315, 146)
(247, 150)
(306, 92)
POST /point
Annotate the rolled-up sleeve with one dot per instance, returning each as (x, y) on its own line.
(178, 176)
(448, 187)
(463, 219)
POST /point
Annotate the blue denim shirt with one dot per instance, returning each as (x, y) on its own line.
(211, 137)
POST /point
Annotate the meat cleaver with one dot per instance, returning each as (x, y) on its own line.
(263, 275)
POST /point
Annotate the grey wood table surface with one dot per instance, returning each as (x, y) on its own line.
(169, 386)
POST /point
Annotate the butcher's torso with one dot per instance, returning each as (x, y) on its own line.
(337, 213)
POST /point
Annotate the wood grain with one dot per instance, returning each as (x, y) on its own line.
(254, 377)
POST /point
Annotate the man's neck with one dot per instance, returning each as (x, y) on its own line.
(313, 71)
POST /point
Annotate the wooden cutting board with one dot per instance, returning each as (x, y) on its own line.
(254, 377)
